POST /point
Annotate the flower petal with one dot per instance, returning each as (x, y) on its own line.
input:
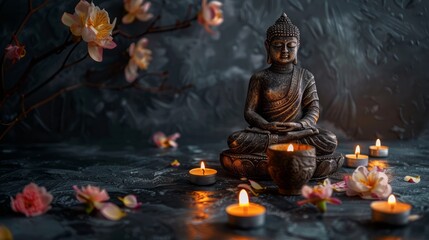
(95, 52)
(334, 201)
(130, 201)
(175, 163)
(112, 212)
(172, 143)
(256, 186)
(412, 179)
(70, 19)
(174, 136)
(82, 7)
(131, 72)
(129, 18)
(159, 139)
(340, 186)
(108, 44)
(144, 17)
(306, 191)
(247, 187)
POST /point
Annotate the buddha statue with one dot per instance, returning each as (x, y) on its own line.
(282, 106)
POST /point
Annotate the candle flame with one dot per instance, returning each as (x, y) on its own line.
(290, 148)
(243, 199)
(391, 201)
(203, 167)
(357, 151)
(378, 143)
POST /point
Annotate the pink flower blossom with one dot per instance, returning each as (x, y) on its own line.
(210, 15)
(319, 195)
(162, 141)
(91, 195)
(368, 184)
(136, 9)
(93, 25)
(33, 201)
(341, 186)
(15, 51)
(140, 58)
(130, 201)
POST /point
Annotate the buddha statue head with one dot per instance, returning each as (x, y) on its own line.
(282, 41)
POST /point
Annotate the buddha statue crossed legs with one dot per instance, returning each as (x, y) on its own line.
(282, 106)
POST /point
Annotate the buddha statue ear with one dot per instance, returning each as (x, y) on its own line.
(267, 48)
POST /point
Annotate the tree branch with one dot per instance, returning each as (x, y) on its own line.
(62, 67)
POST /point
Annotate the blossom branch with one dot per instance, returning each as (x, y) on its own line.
(153, 29)
(33, 62)
(62, 67)
(31, 10)
(25, 112)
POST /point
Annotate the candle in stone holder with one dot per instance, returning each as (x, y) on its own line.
(245, 214)
(378, 150)
(202, 175)
(390, 212)
(291, 166)
(357, 159)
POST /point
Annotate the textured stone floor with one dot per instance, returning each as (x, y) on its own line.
(175, 209)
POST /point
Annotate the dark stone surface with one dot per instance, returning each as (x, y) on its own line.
(175, 209)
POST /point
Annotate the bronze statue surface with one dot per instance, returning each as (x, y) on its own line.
(282, 106)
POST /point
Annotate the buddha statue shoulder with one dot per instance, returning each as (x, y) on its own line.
(282, 106)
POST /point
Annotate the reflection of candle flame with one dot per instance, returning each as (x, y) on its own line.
(290, 148)
(357, 151)
(391, 201)
(381, 164)
(203, 167)
(200, 204)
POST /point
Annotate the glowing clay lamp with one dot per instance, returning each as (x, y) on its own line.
(202, 175)
(357, 159)
(390, 212)
(244, 214)
(378, 150)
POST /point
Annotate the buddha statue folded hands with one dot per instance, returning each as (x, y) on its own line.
(282, 106)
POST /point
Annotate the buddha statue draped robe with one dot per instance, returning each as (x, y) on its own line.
(299, 103)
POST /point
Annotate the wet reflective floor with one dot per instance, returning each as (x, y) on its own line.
(175, 209)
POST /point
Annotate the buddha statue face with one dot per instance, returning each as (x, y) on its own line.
(282, 50)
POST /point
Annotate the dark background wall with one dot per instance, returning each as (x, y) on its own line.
(370, 60)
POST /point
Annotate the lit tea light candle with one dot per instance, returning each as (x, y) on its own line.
(245, 214)
(357, 159)
(378, 150)
(202, 175)
(390, 212)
